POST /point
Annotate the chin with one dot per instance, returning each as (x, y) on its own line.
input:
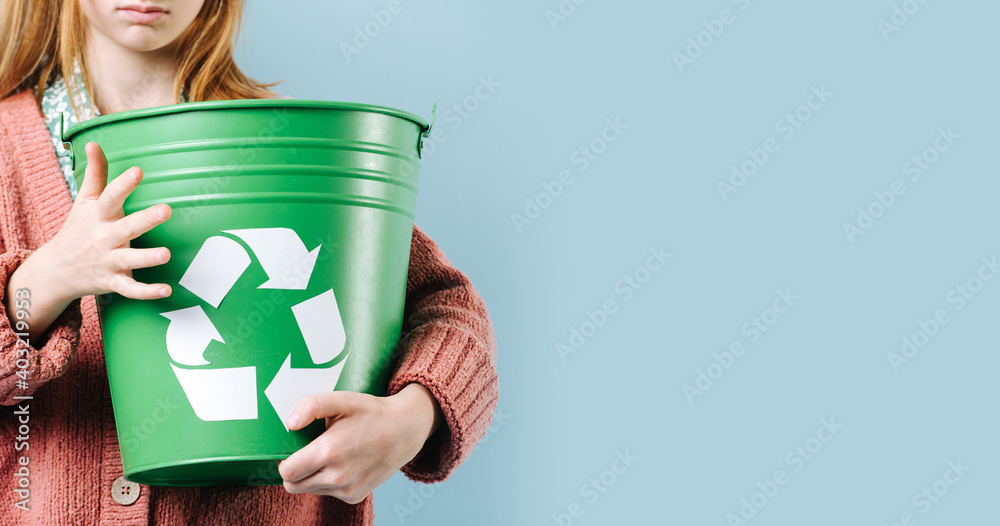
(142, 39)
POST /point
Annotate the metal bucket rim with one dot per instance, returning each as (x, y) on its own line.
(240, 104)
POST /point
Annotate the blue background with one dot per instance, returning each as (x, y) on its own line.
(826, 357)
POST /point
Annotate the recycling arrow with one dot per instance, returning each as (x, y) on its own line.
(322, 332)
(282, 254)
(189, 334)
(290, 386)
(220, 394)
(209, 280)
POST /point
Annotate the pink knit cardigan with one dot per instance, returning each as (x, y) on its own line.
(448, 346)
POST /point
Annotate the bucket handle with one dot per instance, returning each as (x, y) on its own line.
(426, 132)
(66, 144)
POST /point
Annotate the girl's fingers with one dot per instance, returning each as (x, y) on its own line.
(95, 178)
(316, 482)
(113, 197)
(130, 288)
(138, 223)
(307, 461)
(328, 482)
(132, 258)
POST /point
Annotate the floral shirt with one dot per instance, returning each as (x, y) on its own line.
(55, 107)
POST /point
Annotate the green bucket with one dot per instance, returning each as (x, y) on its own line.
(289, 243)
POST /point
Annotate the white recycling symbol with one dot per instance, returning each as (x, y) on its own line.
(231, 393)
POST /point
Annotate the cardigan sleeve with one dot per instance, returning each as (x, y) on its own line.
(448, 346)
(42, 360)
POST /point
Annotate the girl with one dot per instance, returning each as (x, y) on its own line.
(81, 58)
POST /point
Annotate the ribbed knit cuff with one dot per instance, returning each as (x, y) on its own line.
(458, 370)
(58, 343)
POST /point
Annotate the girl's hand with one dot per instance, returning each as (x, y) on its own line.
(367, 440)
(92, 248)
(90, 254)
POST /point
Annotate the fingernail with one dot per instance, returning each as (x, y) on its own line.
(164, 292)
(293, 421)
(134, 175)
(159, 213)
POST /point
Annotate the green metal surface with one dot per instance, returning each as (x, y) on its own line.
(343, 177)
